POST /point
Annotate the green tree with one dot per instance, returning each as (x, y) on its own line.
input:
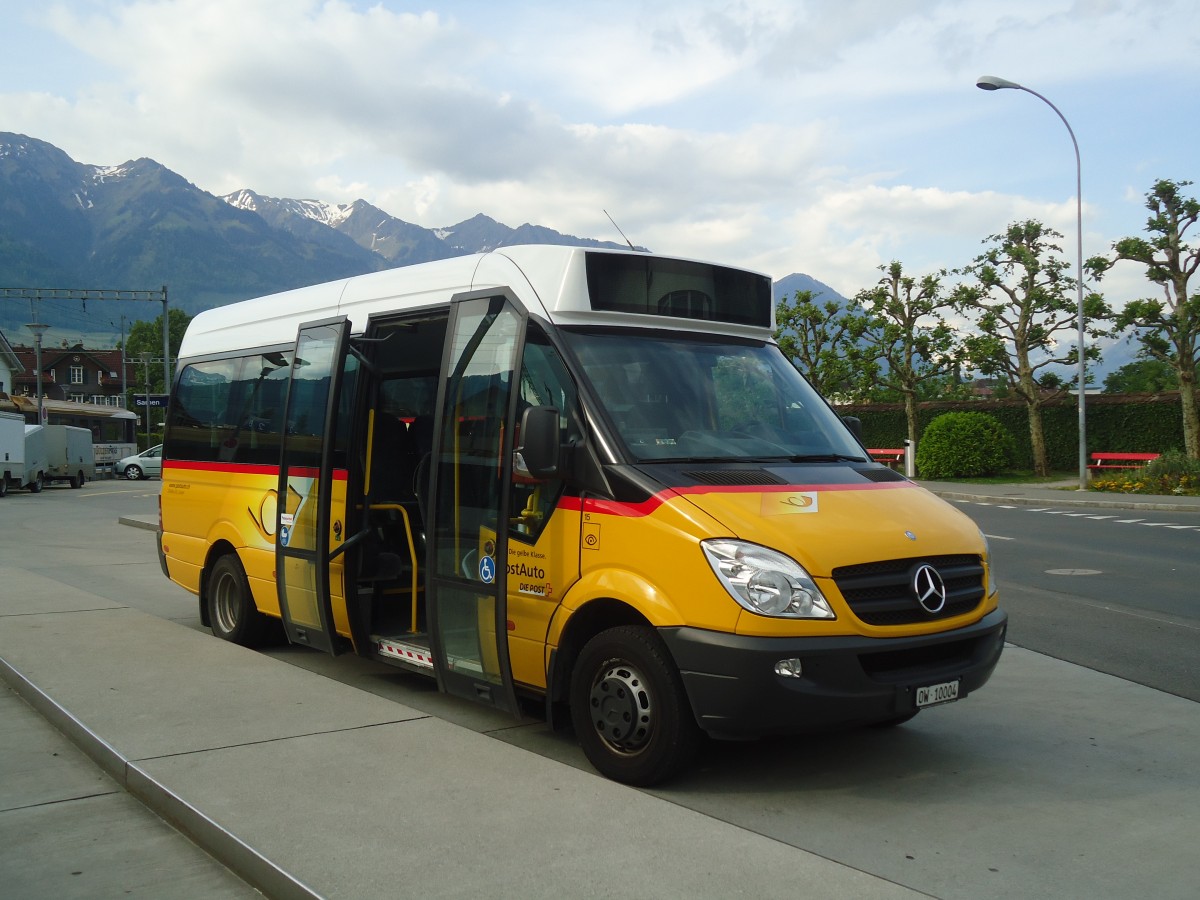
(903, 343)
(1142, 376)
(814, 337)
(1024, 304)
(147, 337)
(1167, 327)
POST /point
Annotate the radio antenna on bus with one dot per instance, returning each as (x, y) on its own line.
(620, 232)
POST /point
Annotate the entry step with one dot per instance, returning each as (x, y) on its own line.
(414, 650)
(411, 652)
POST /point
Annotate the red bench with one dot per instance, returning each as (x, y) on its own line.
(891, 457)
(1106, 460)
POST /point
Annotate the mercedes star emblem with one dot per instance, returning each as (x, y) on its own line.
(929, 589)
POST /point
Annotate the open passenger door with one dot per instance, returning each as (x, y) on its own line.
(468, 511)
(306, 482)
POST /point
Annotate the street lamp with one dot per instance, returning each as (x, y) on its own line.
(993, 83)
(38, 330)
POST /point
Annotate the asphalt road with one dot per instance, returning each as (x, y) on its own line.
(1115, 590)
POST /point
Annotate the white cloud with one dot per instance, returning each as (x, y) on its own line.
(788, 136)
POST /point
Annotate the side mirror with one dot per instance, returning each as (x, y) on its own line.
(854, 423)
(538, 455)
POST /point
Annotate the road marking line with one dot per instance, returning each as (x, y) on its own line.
(1127, 521)
(998, 537)
(1101, 517)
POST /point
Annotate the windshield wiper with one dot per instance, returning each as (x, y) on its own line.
(696, 459)
(810, 457)
(826, 457)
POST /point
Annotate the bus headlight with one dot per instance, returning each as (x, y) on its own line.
(991, 568)
(765, 581)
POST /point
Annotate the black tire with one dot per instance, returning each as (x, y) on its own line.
(133, 472)
(3, 485)
(629, 708)
(35, 486)
(231, 610)
(77, 481)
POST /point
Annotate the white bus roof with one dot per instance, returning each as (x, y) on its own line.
(549, 280)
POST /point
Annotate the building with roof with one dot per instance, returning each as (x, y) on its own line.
(73, 373)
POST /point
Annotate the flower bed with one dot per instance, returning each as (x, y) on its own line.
(1171, 473)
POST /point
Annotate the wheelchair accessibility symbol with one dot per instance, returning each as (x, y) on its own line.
(487, 570)
(285, 532)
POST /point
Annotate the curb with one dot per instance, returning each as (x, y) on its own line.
(225, 847)
(136, 522)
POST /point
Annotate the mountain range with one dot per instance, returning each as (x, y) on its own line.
(139, 226)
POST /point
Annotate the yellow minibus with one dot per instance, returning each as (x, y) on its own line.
(583, 477)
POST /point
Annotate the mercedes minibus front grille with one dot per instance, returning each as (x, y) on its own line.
(882, 593)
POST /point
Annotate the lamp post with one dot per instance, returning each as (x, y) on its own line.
(38, 329)
(994, 83)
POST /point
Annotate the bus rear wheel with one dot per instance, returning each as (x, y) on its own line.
(629, 708)
(231, 610)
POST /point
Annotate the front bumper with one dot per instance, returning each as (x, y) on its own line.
(847, 681)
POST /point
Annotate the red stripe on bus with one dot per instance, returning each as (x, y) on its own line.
(651, 504)
(232, 468)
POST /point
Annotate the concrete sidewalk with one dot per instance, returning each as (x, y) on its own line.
(307, 787)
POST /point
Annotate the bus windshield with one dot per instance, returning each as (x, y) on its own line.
(692, 397)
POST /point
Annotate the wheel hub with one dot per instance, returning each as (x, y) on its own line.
(225, 605)
(622, 711)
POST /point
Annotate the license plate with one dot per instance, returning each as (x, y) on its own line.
(934, 694)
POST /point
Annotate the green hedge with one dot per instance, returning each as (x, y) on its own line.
(1134, 423)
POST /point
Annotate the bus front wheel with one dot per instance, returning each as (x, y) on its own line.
(629, 708)
(231, 609)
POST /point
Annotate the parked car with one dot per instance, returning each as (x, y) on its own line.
(146, 464)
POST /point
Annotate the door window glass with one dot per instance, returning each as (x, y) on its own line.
(469, 471)
(544, 382)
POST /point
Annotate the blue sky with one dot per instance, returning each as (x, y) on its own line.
(785, 135)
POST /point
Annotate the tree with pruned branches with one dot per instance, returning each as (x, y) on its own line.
(1022, 299)
(1168, 327)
